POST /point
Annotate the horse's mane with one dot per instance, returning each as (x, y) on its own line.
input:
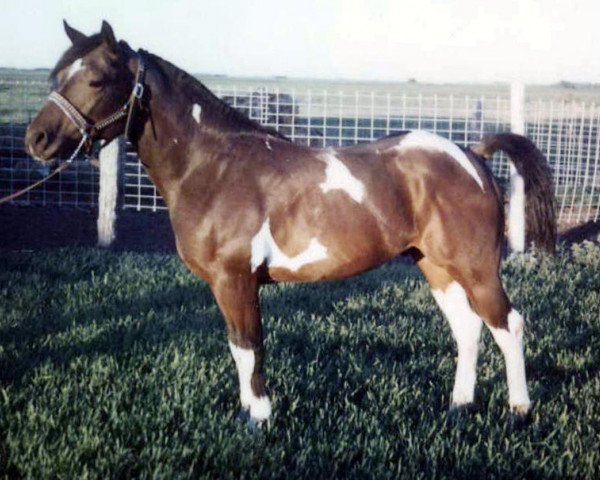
(193, 90)
(185, 84)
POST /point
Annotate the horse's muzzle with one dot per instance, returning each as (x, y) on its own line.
(39, 144)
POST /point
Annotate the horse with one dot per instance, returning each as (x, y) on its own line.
(249, 207)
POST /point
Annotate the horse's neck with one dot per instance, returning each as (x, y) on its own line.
(179, 130)
(168, 135)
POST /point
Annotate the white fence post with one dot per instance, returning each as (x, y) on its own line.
(107, 194)
(516, 205)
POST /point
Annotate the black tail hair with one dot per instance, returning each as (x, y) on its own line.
(540, 217)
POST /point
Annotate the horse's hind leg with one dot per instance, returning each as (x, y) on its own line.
(506, 325)
(482, 297)
(465, 325)
(237, 297)
(488, 299)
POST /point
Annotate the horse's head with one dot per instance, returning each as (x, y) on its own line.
(93, 76)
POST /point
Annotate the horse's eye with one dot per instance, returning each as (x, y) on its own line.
(97, 83)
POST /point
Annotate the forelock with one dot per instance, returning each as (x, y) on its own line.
(78, 50)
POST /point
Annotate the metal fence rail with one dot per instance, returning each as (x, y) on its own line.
(567, 133)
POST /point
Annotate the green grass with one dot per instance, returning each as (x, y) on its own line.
(116, 365)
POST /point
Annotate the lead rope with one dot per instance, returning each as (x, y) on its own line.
(61, 167)
(85, 129)
(12, 196)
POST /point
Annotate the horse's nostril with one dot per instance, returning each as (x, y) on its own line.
(41, 139)
(36, 140)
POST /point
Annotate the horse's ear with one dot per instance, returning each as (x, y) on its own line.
(74, 35)
(108, 36)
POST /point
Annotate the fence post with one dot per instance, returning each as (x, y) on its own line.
(107, 194)
(516, 205)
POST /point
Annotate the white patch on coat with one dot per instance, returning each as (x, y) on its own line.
(75, 67)
(260, 407)
(264, 248)
(268, 144)
(430, 141)
(466, 329)
(516, 211)
(175, 141)
(196, 112)
(511, 345)
(338, 177)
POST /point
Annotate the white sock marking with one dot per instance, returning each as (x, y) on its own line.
(466, 328)
(196, 112)
(429, 141)
(260, 407)
(263, 247)
(511, 345)
(75, 67)
(338, 177)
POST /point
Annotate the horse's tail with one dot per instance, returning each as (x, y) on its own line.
(531, 166)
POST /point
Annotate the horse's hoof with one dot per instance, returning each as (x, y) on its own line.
(252, 424)
(520, 417)
(255, 426)
(457, 413)
(244, 415)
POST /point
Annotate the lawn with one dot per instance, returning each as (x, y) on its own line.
(115, 365)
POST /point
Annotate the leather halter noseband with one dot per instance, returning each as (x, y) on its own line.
(88, 130)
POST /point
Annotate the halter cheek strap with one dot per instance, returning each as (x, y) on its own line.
(137, 93)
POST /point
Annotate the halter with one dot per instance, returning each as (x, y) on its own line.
(89, 130)
(86, 129)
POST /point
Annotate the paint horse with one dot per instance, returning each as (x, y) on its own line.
(249, 207)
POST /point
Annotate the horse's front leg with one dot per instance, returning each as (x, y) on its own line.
(237, 297)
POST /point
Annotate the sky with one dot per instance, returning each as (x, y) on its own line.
(534, 41)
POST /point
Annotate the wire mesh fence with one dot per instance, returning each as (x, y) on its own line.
(567, 133)
(332, 119)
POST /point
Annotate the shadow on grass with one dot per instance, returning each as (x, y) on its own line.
(154, 318)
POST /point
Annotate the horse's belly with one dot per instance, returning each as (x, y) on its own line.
(331, 261)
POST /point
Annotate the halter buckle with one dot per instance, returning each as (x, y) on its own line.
(138, 90)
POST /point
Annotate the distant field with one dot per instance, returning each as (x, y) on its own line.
(23, 91)
(570, 92)
(116, 365)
